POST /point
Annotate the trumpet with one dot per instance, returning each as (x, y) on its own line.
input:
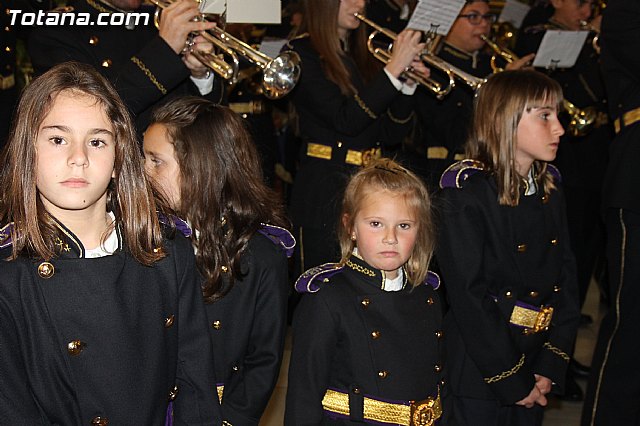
(384, 56)
(581, 120)
(279, 74)
(502, 52)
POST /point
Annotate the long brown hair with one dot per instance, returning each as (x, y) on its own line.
(386, 175)
(222, 194)
(320, 21)
(130, 198)
(499, 106)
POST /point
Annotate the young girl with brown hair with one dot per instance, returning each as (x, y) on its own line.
(201, 157)
(102, 321)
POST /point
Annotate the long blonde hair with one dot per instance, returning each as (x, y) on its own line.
(387, 175)
(499, 106)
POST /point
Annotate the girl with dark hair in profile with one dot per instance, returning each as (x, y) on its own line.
(202, 158)
(102, 321)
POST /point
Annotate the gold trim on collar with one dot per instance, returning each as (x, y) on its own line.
(361, 269)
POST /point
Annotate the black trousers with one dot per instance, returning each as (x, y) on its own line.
(613, 393)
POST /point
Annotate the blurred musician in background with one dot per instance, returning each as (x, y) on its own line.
(11, 79)
(613, 392)
(147, 65)
(348, 109)
(583, 153)
(444, 123)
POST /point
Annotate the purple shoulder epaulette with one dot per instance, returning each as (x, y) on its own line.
(279, 236)
(314, 278)
(180, 224)
(457, 173)
(553, 171)
(433, 280)
(5, 235)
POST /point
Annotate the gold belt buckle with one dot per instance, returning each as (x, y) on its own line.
(425, 412)
(543, 320)
(370, 154)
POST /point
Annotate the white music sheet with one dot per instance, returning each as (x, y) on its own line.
(560, 49)
(435, 15)
(514, 12)
(254, 11)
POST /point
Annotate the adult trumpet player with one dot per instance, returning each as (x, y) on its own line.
(583, 152)
(147, 65)
(444, 122)
(349, 109)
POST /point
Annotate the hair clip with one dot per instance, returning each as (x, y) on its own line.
(395, 170)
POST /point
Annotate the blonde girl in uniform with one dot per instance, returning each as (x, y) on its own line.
(366, 333)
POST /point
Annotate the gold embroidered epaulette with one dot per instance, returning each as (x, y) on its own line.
(457, 173)
(314, 278)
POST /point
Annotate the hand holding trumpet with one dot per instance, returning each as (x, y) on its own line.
(406, 55)
(179, 20)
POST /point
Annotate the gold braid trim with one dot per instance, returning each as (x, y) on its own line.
(226, 423)
(364, 106)
(360, 269)
(557, 351)
(400, 120)
(507, 373)
(149, 74)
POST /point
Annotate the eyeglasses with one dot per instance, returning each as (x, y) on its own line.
(476, 18)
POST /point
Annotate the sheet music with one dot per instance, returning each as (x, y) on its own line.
(514, 12)
(254, 11)
(272, 47)
(560, 49)
(435, 15)
(216, 7)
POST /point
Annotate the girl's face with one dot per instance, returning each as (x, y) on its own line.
(160, 162)
(466, 36)
(386, 230)
(75, 155)
(346, 20)
(537, 136)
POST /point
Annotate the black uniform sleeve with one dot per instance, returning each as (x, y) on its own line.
(552, 362)
(315, 339)
(17, 406)
(144, 79)
(351, 115)
(197, 399)
(244, 405)
(485, 333)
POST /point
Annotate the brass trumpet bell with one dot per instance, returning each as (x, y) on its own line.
(280, 74)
